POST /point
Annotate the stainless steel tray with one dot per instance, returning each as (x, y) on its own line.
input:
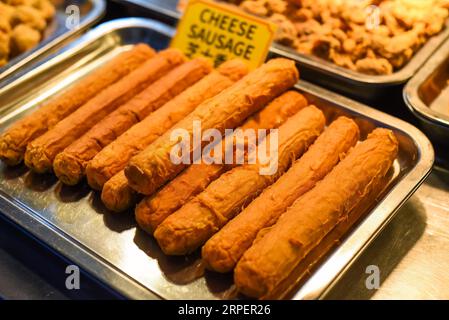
(427, 96)
(162, 8)
(56, 33)
(354, 84)
(73, 221)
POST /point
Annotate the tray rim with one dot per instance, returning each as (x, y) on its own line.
(374, 222)
(320, 65)
(411, 95)
(94, 15)
(119, 281)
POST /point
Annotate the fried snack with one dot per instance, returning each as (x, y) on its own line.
(115, 156)
(69, 166)
(6, 12)
(225, 248)
(41, 152)
(117, 195)
(277, 251)
(374, 37)
(152, 210)
(45, 7)
(192, 225)
(13, 142)
(22, 26)
(29, 16)
(5, 39)
(151, 168)
(23, 38)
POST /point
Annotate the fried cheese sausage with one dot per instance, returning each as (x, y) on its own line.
(117, 195)
(70, 165)
(13, 142)
(226, 247)
(114, 157)
(151, 168)
(192, 225)
(152, 210)
(275, 255)
(41, 152)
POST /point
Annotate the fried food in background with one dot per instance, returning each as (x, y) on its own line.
(28, 16)
(279, 249)
(5, 39)
(225, 248)
(150, 169)
(22, 24)
(15, 139)
(41, 152)
(151, 211)
(369, 36)
(191, 226)
(70, 165)
(24, 38)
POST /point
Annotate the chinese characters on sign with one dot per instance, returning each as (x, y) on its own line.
(220, 32)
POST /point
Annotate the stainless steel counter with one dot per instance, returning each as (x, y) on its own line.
(412, 252)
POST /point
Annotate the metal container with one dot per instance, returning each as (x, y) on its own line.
(56, 34)
(369, 88)
(73, 221)
(159, 8)
(427, 96)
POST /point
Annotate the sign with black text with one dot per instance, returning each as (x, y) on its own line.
(221, 32)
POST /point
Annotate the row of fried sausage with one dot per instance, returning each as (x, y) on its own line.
(114, 127)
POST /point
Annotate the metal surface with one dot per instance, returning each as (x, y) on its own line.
(411, 252)
(30, 271)
(73, 221)
(427, 96)
(56, 34)
(159, 7)
(325, 73)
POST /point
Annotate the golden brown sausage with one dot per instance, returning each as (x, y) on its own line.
(151, 168)
(225, 248)
(115, 156)
(275, 255)
(14, 141)
(152, 210)
(69, 166)
(117, 195)
(41, 152)
(193, 224)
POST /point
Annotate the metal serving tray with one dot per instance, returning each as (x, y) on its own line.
(354, 84)
(427, 96)
(57, 33)
(73, 221)
(162, 8)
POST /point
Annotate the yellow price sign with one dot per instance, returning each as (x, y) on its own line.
(221, 32)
